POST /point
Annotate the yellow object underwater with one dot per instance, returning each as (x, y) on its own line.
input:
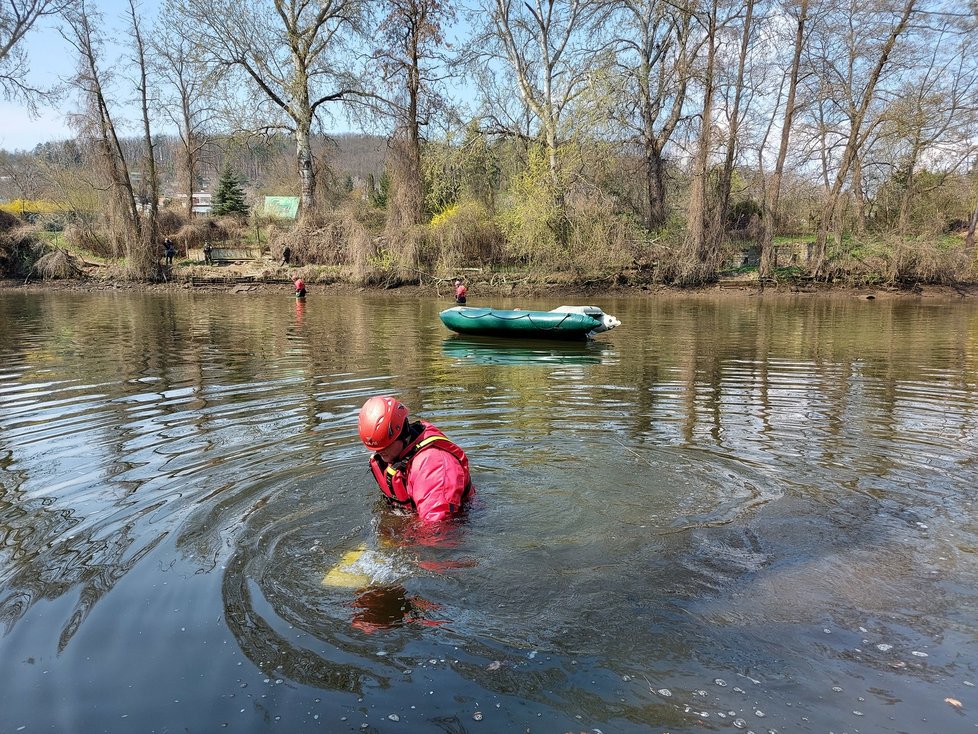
(346, 573)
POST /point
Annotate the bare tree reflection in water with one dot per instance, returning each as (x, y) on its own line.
(49, 556)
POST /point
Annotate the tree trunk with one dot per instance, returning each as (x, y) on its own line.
(858, 202)
(147, 262)
(820, 255)
(773, 192)
(190, 164)
(307, 176)
(969, 240)
(415, 199)
(90, 80)
(655, 187)
(857, 136)
(696, 253)
(719, 218)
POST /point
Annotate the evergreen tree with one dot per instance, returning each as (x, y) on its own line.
(382, 192)
(229, 197)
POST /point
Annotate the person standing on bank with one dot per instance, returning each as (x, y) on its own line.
(169, 250)
(416, 466)
(460, 292)
(207, 252)
(300, 287)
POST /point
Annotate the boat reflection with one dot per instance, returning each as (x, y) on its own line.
(490, 351)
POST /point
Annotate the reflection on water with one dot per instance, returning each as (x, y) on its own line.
(490, 351)
(723, 508)
(378, 608)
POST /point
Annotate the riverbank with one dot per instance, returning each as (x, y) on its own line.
(264, 275)
(239, 283)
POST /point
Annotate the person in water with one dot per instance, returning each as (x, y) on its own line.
(300, 287)
(460, 292)
(415, 465)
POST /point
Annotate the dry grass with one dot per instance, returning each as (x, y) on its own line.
(18, 248)
(461, 235)
(195, 234)
(59, 264)
(8, 221)
(925, 261)
(337, 239)
(86, 236)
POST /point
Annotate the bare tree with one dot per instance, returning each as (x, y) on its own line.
(698, 256)
(537, 41)
(853, 59)
(17, 17)
(772, 184)
(290, 53)
(411, 33)
(96, 124)
(734, 112)
(186, 98)
(932, 121)
(656, 47)
(142, 85)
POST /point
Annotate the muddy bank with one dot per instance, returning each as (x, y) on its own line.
(480, 291)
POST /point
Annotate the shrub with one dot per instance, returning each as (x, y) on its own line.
(601, 239)
(463, 234)
(8, 221)
(58, 265)
(529, 217)
(86, 236)
(925, 261)
(19, 248)
(170, 221)
(200, 231)
(329, 239)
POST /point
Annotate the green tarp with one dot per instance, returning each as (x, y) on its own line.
(285, 207)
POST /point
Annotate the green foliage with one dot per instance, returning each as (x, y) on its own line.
(462, 235)
(229, 196)
(380, 195)
(455, 172)
(601, 239)
(529, 216)
(741, 213)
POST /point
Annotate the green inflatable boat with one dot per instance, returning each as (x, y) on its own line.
(567, 322)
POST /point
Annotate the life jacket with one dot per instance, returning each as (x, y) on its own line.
(393, 478)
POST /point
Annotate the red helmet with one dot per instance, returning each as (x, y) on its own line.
(382, 419)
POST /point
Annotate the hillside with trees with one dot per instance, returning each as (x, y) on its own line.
(618, 141)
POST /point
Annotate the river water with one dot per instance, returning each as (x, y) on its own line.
(752, 514)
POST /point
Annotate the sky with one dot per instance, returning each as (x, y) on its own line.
(52, 60)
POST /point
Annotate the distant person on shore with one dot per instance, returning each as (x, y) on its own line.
(207, 252)
(300, 286)
(460, 292)
(169, 250)
(286, 255)
(416, 467)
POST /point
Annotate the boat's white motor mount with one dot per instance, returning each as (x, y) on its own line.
(608, 321)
